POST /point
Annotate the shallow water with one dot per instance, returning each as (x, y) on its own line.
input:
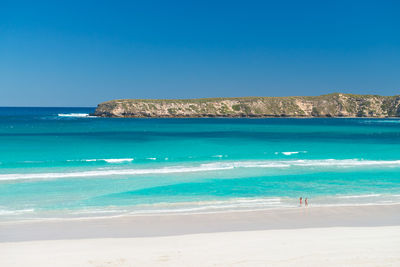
(61, 162)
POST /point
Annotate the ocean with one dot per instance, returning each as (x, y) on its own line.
(60, 163)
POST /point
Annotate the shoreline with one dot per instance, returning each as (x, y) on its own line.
(150, 213)
(134, 226)
(92, 115)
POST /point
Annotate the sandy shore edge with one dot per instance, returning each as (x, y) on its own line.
(183, 224)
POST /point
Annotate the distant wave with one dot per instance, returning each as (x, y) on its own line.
(291, 153)
(303, 163)
(76, 115)
(215, 166)
(117, 160)
(111, 160)
(380, 121)
(177, 169)
(106, 160)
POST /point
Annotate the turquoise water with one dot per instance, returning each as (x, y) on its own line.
(60, 162)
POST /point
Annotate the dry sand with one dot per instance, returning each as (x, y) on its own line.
(313, 237)
(368, 246)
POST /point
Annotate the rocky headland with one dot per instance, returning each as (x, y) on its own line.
(331, 105)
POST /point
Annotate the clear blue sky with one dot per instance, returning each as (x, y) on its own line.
(80, 53)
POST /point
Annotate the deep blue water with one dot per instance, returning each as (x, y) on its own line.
(60, 162)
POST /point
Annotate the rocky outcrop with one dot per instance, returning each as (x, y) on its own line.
(332, 105)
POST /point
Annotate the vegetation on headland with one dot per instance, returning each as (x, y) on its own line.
(331, 105)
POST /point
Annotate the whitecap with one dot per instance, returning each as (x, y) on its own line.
(80, 115)
(291, 152)
(118, 160)
(107, 160)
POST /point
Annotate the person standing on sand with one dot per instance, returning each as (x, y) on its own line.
(301, 201)
(306, 202)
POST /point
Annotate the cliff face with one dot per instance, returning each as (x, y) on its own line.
(332, 105)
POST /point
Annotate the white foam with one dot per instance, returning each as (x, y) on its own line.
(152, 158)
(99, 173)
(291, 153)
(98, 211)
(248, 204)
(211, 205)
(117, 160)
(78, 115)
(215, 166)
(16, 212)
(107, 160)
(206, 206)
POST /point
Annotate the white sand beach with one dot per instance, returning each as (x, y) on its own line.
(336, 236)
(342, 246)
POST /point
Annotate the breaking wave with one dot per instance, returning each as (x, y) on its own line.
(111, 160)
(290, 152)
(206, 206)
(75, 115)
(214, 166)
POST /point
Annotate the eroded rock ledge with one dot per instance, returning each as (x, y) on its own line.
(332, 105)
